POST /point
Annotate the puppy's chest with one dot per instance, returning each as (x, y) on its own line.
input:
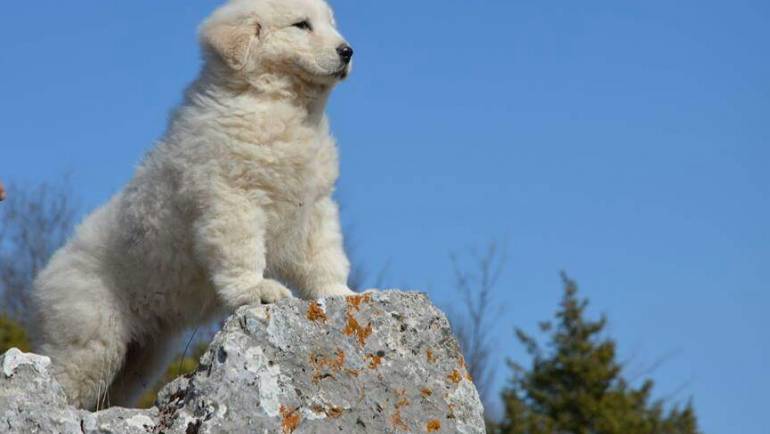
(291, 174)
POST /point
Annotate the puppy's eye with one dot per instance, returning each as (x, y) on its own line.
(304, 25)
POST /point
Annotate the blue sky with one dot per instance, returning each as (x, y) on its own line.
(627, 143)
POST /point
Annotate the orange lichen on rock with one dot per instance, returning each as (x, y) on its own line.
(356, 300)
(426, 392)
(334, 412)
(455, 376)
(434, 426)
(465, 369)
(396, 420)
(354, 328)
(336, 363)
(374, 361)
(316, 313)
(289, 420)
(322, 363)
(451, 414)
(431, 356)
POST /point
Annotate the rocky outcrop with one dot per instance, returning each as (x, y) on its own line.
(375, 363)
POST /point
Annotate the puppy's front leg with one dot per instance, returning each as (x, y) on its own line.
(322, 270)
(229, 240)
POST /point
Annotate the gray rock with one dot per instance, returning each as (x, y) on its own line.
(30, 400)
(376, 363)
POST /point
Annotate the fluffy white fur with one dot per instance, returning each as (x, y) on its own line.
(232, 207)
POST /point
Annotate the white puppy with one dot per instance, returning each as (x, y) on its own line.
(232, 207)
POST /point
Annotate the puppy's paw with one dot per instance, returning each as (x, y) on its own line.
(335, 291)
(271, 291)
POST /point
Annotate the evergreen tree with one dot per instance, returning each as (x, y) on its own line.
(576, 386)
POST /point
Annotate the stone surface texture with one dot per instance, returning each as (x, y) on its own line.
(383, 362)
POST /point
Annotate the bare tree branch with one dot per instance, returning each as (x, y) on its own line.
(473, 327)
(34, 222)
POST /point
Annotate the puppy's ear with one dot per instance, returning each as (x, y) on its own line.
(231, 41)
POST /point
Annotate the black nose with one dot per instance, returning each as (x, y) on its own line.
(345, 52)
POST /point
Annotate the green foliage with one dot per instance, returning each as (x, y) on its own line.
(576, 385)
(12, 335)
(181, 365)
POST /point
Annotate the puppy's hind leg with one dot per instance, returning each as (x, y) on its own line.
(81, 326)
(86, 356)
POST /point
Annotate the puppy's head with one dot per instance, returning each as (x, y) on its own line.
(295, 38)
